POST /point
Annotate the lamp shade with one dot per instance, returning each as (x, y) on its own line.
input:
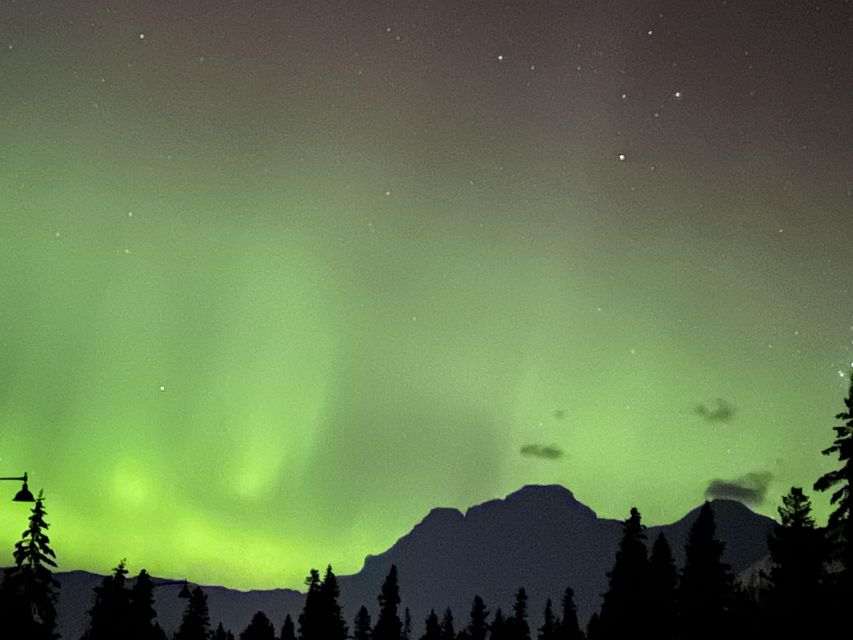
(24, 495)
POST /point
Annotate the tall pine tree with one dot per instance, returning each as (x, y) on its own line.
(567, 625)
(518, 627)
(288, 630)
(478, 626)
(663, 582)
(840, 481)
(109, 617)
(309, 620)
(195, 624)
(548, 630)
(625, 605)
(706, 584)
(797, 553)
(361, 625)
(388, 623)
(448, 631)
(432, 627)
(141, 608)
(29, 591)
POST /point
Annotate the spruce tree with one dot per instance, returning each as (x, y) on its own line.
(29, 591)
(519, 629)
(109, 617)
(288, 631)
(361, 625)
(432, 627)
(222, 634)
(407, 624)
(499, 629)
(705, 587)
(260, 628)
(388, 624)
(797, 553)
(478, 627)
(310, 618)
(331, 621)
(448, 632)
(195, 624)
(840, 481)
(548, 630)
(663, 581)
(141, 608)
(567, 627)
(624, 607)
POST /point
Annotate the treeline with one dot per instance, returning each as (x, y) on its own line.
(805, 591)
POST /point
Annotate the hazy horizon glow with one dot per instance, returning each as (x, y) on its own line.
(276, 279)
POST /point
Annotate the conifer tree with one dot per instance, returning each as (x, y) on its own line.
(109, 617)
(663, 581)
(331, 620)
(310, 618)
(519, 629)
(624, 608)
(705, 587)
(159, 634)
(448, 632)
(361, 625)
(840, 481)
(260, 628)
(567, 627)
(288, 631)
(797, 553)
(478, 627)
(499, 630)
(222, 634)
(407, 624)
(141, 608)
(196, 621)
(432, 627)
(29, 591)
(388, 624)
(548, 630)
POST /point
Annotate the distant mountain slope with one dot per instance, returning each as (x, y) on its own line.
(539, 537)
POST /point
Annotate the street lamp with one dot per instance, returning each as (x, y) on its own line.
(183, 593)
(24, 495)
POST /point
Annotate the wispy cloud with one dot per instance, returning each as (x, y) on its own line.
(750, 488)
(545, 451)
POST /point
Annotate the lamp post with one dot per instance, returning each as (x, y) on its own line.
(24, 495)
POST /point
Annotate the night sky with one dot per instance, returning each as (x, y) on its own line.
(277, 277)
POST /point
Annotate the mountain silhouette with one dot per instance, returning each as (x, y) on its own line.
(539, 537)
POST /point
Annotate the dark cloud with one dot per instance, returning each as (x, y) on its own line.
(720, 411)
(749, 489)
(546, 451)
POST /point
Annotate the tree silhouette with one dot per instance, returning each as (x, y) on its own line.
(332, 625)
(624, 607)
(310, 618)
(567, 627)
(288, 631)
(840, 481)
(361, 625)
(706, 583)
(260, 628)
(222, 634)
(478, 627)
(432, 627)
(663, 581)
(141, 613)
(518, 627)
(548, 630)
(196, 621)
(448, 632)
(499, 629)
(407, 624)
(109, 617)
(797, 552)
(388, 624)
(29, 591)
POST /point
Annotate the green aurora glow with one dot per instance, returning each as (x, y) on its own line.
(265, 301)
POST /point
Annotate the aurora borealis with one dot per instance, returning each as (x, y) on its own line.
(277, 277)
